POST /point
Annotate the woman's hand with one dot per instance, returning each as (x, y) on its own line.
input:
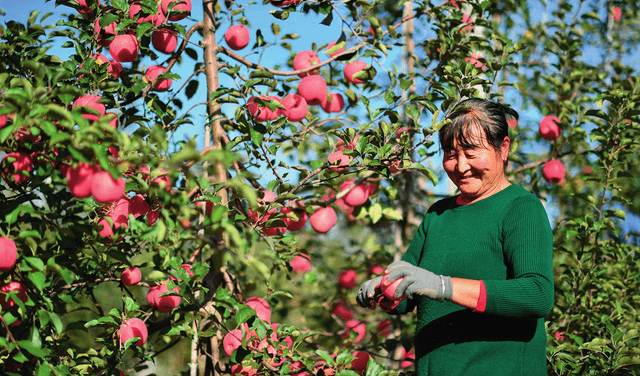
(366, 296)
(418, 281)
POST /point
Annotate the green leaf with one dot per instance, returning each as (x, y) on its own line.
(392, 213)
(244, 313)
(38, 279)
(375, 212)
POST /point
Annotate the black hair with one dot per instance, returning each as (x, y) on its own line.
(471, 116)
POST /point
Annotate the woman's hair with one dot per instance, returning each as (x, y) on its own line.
(471, 116)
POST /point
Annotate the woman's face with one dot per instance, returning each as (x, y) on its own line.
(478, 172)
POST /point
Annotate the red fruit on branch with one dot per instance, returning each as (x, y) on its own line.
(104, 36)
(359, 364)
(305, 60)
(179, 9)
(131, 276)
(296, 107)
(91, 101)
(337, 52)
(300, 264)
(237, 37)
(232, 341)
(323, 219)
(549, 128)
(124, 48)
(263, 311)
(339, 161)
(164, 40)
(105, 188)
(350, 69)
(333, 103)
(132, 328)
(348, 279)
(17, 167)
(163, 84)
(292, 224)
(79, 179)
(358, 327)
(553, 171)
(357, 195)
(86, 6)
(8, 254)
(263, 113)
(6, 302)
(313, 89)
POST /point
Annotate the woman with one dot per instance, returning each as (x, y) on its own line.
(479, 269)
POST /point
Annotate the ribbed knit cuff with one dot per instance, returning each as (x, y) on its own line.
(448, 288)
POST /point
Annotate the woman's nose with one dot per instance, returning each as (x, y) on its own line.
(462, 165)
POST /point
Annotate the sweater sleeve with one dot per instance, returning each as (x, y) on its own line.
(528, 252)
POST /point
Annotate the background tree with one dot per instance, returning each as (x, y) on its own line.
(126, 249)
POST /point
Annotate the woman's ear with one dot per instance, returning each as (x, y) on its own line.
(504, 148)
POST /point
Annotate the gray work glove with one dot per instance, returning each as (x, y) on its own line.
(418, 281)
(367, 294)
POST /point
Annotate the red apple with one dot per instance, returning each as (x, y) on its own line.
(474, 59)
(359, 364)
(356, 326)
(330, 45)
(296, 107)
(163, 84)
(285, 3)
(232, 341)
(333, 103)
(7, 302)
(304, 60)
(553, 171)
(407, 357)
(617, 14)
(341, 310)
(323, 219)
(313, 88)
(237, 37)
(105, 188)
(549, 128)
(120, 213)
(376, 270)
(106, 229)
(164, 40)
(91, 101)
(339, 161)
(389, 288)
(184, 6)
(348, 279)
(300, 264)
(273, 231)
(104, 36)
(263, 311)
(466, 18)
(18, 165)
(133, 327)
(292, 224)
(124, 48)
(79, 179)
(131, 276)
(86, 6)
(350, 69)
(165, 303)
(511, 122)
(357, 195)
(262, 113)
(352, 145)
(8, 254)
(157, 19)
(384, 328)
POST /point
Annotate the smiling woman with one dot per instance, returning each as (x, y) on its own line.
(479, 269)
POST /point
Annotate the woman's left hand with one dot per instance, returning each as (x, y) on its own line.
(418, 281)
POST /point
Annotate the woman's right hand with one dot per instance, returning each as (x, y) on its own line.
(366, 294)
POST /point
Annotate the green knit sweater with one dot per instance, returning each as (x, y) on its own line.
(504, 240)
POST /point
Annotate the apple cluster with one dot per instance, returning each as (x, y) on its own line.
(553, 171)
